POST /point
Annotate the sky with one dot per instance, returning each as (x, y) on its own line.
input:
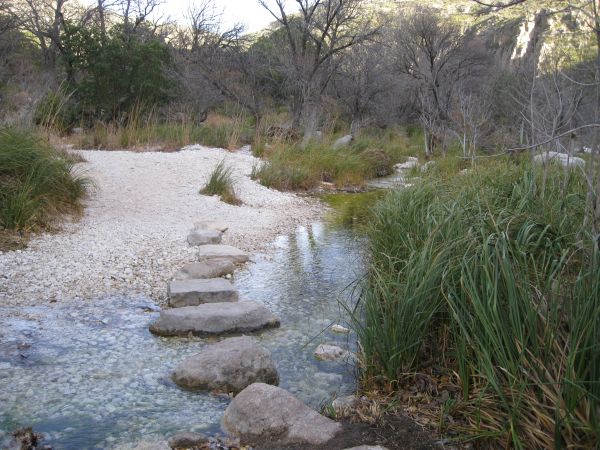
(248, 12)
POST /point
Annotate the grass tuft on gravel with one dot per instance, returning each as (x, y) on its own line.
(37, 182)
(221, 183)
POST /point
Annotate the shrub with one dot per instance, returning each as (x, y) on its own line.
(112, 72)
(221, 183)
(493, 278)
(37, 182)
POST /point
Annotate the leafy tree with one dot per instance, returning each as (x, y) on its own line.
(115, 71)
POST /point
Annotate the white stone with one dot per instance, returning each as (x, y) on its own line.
(406, 166)
(344, 141)
(559, 158)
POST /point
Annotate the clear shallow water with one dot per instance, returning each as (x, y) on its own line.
(91, 376)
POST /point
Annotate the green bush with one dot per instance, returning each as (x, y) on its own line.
(221, 183)
(493, 277)
(116, 72)
(37, 183)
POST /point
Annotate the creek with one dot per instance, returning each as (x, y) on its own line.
(89, 375)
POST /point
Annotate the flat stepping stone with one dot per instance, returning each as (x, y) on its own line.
(264, 413)
(227, 366)
(203, 237)
(227, 252)
(217, 225)
(214, 319)
(212, 268)
(195, 292)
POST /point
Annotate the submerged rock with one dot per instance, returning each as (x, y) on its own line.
(225, 252)
(229, 366)
(203, 237)
(265, 413)
(214, 318)
(187, 440)
(212, 268)
(339, 329)
(327, 352)
(195, 292)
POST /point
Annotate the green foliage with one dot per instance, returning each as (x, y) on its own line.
(221, 183)
(116, 71)
(492, 276)
(37, 183)
(290, 167)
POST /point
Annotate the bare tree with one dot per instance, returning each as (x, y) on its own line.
(438, 55)
(361, 82)
(470, 118)
(315, 37)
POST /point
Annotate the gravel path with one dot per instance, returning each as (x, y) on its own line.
(131, 239)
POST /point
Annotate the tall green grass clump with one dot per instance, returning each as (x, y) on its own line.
(492, 278)
(292, 167)
(220, 183)
(37, 182)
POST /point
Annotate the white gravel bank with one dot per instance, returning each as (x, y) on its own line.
(132, 238)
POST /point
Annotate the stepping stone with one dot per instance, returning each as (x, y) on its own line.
(228, 366)
(214, 318)
(264, 413)
(217, 225)
(195, 292)
(212, 268)
(203, 237)
(235, 255)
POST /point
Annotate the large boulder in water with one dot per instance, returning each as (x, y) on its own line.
(214, 319)
(265, 413)
(228, 366)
